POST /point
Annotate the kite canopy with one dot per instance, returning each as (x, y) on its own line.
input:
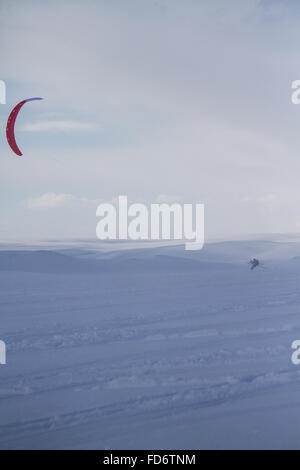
(10, 127)
(33, 99)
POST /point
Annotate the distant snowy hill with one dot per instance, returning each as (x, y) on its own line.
(45, 261)
(232, 252)
(39, 261)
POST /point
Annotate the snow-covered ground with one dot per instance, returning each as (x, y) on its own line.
(150, 348)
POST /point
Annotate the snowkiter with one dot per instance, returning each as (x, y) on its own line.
(254, 262)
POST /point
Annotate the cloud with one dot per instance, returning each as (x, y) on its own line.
(264, 199)
(48, 201)
(57, 126)
(53, 201)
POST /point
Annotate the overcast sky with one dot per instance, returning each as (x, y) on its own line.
(156, 99)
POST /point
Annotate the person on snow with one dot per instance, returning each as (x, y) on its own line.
(254, 262)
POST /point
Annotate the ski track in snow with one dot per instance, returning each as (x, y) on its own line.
(139, 351)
